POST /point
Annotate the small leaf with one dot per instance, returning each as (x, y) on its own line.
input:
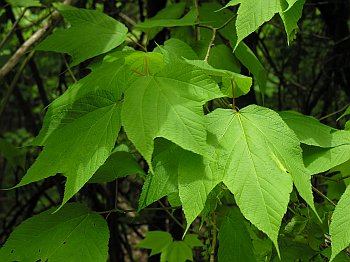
(246, 56)
(242, 83)
(252, 14)
(340, 225)
(234, 240)
(58, 237)
(290, 18)
(157, 241)
(118, 164)
(192, 240)
(178, 251)
(91, 33)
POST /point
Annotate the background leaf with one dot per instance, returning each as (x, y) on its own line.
(91, 33)
(234, 240)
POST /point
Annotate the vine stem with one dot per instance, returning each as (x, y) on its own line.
(323, 195)
(213, 243)
(334, 113)
(171, 215)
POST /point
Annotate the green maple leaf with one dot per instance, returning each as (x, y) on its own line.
(259, 155)
(58, 237)
(80, 129)
(340, 225)
(91, 33)
(169, 105)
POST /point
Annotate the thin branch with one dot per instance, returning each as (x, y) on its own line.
(334, 113)
(323, 195)
(171, 215)
(7, 37)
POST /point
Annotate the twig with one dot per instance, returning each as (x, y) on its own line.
(334, 113)
(36, 37)
(171, 215)
(69, 69)
(214, 29)
(323, 195)
(7, 37)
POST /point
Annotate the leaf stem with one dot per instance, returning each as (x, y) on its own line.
(137, 72)
(138, 44)
(233, 95)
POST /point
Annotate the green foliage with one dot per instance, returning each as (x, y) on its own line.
(175, 109)
(236, 246)
(340, 225)
(171, 251)
(58, 237)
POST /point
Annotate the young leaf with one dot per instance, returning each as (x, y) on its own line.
(91, 33)
(246, 56)
(290, 18)
(340, 225)
(158, 241)
(58, 237)
(259, 155)
(252, 14)
(168, 105)
(234, 239)
(242, 83)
